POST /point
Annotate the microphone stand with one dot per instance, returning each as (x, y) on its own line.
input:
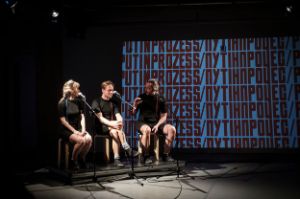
(178, 169)
(94, 150)
(131, 173)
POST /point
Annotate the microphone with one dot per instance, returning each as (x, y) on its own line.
(81, 95)
(116, 93)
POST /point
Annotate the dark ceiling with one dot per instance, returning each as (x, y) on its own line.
(134, 12)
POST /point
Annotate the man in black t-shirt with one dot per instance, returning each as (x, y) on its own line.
(152, 119)
(111, 121)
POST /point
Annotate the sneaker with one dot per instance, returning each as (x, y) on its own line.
(167, 158)
(148, 160)
(156, 162)
(118, 163)
(129, 151)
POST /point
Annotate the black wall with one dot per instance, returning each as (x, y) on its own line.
(32, 52)
(85, 44)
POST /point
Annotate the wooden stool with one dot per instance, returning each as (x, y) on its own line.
(103, 146)
(155, 146)
(61, 143)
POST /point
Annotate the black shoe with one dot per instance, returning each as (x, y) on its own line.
(129, 151)
(82, 164)
(74, 166)
(118, 163)
(167, 158)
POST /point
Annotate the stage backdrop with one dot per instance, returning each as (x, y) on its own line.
(225, 93)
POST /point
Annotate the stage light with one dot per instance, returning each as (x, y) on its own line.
(289, 8)
(11, 4)
(54, 14)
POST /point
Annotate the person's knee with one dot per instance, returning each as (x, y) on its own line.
(170, 129)
(88, 137)
(120, 133)
(146, 131)
(173, 131)
(80, 141)
(88, 140)
(113, 133)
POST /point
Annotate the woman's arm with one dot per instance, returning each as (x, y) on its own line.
(67, 125)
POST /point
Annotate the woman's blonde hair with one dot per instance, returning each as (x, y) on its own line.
(68, 88)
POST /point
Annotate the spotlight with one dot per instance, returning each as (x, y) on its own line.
(289, 8)
(54, 14)
(12, 5)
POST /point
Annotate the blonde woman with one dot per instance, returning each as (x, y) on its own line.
(71, 116)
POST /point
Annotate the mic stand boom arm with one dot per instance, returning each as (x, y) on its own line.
(130, 105)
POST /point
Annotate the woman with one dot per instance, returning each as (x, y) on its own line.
(70, 108)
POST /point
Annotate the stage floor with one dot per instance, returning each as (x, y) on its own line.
(243, 180)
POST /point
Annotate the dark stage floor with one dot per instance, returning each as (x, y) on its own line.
(203, 180)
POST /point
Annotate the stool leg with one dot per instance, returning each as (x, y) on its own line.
(156, 147)
(67, 155)
(59, 153)
(106, 149)
(140, 150)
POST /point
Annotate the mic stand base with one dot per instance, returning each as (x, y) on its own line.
(133, 176)
(95, 180)
(179, 172)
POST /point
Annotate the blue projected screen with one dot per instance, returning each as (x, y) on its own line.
(224, 93)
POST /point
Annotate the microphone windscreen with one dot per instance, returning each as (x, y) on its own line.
(81, 95)
(116, 93)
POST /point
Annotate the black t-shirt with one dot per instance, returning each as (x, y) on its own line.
(71, 110)
(107, 108)
(151, 107)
